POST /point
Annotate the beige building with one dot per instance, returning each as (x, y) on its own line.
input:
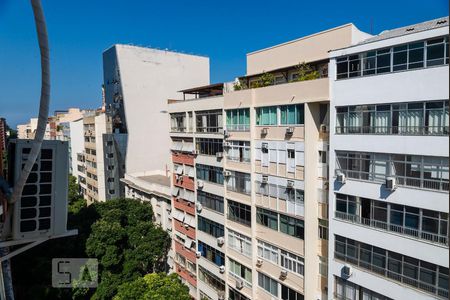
(98, 164)
(249, 184)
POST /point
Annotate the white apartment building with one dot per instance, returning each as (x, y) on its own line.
(389, 166)
(250, 180)
(137, 82)
(76, 146)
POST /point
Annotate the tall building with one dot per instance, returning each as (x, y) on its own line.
(389, 166)
(3, 138)
(249, 175)
(137, 83)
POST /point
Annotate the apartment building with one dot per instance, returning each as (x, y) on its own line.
(250, 180)
(196, 131)
(3, 140)
(98, 165)
(389, 166)
(153, 187)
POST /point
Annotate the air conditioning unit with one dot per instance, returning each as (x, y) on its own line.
(198, 254)
(290, 184)
(226, 133)
(391, 183)
(283, 274)
(195, 152)
(226, 144)
(226, 173)
(220, 241)
(198, 206)
(219, 154)
(265, 179)
(340, 178)
(200, 184)
(346, 271)
(239, 283)
(290, 130)
(186, 226)
(222, 269)
(323, 128)
(264, 131)
(326, 185)
(259, 262)
(220, 295)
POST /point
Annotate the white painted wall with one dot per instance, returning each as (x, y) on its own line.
(149, 77)
(76, 143)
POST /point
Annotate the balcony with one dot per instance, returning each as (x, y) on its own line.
(184, 181)
(394, 130)
(187, 253)
(180, 158)
(409, 232)
(185, 274)
(184, 205)
(189, 231)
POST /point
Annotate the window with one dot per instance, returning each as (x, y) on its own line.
(268, 284)
(345, 290)
(415, 118)
(239, 182)
(266, 115)
(211, 280)
(209, 173)
(239, 151)
(239, 212)
(238, 270)
(209, 146)
(424, 172)
(292, 226)
(267, 218)
(404, 57)
(408, 270)
(290, 294)
(235, 295)
(238, 119)
(209, 121)
(210, 227)
(268, 251)
(211, 201)
(292, 114)
(211, 254)
(178, 122)
(240, 243)
(323, 229)
(292, 262)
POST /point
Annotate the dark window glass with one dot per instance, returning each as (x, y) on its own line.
(415, 52)
(383, 61)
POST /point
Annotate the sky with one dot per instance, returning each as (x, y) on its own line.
(79, 31)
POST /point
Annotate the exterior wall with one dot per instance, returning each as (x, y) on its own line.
(76, 144)
(147, 78)
(306, 49)
(101, 127)
(426, 84)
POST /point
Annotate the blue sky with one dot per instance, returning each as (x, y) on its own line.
(225, 31)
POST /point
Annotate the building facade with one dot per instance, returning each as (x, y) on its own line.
(250, 175)
(389, 166)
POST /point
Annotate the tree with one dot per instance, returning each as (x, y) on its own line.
(306, 72)
(74, 189)
(155, 286)
(127, 244)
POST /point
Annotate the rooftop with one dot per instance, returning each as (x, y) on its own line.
(209, 90)
(428, 25)
(156, 179)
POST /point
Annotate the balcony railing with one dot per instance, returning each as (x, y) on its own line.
(214, 129)
(178, 129)
(422, 183)
(432, 289)
(238, 127)
(394, 130)
(418, 234)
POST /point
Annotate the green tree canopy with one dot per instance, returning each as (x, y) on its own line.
(127, 244)
(155, 286)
